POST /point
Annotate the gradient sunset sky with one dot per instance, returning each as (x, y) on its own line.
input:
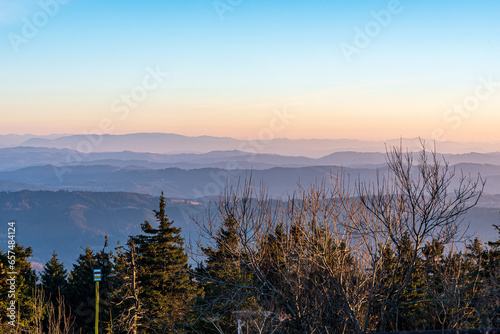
(343, 69)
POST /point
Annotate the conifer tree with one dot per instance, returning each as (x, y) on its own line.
(224, 279)
(494, 253)
(81, 287)
(167, 290)
(54, 278)
(491, 293)
(25, 281)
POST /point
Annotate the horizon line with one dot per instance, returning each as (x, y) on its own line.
(243, 139)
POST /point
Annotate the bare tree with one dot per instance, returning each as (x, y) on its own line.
(132, 312)
(329, 259)
(45, 317)
(302, 263)
(410, 207)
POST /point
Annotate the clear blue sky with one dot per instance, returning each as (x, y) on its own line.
(230, 67)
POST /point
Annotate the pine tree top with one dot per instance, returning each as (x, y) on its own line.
(53, 268)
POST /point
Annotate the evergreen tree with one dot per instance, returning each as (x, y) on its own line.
(490, 300)
(224, 280)
(494, 254)
(54, 279)
(167, 290)
(25, 282)
(81, 287)
(397, 287)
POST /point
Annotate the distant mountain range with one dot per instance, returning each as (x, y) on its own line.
(174, 143)
(20, 157)
(16, 140)
(196, 183)
(68, 191)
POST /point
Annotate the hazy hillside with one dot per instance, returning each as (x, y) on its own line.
(10, 140)
(178, 182)
(70, 221)
(19, 157)
(202, 182)
(139, 142)
(173, 143)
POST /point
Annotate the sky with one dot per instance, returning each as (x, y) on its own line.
(370, 70)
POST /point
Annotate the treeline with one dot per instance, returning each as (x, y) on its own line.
(385, 257)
